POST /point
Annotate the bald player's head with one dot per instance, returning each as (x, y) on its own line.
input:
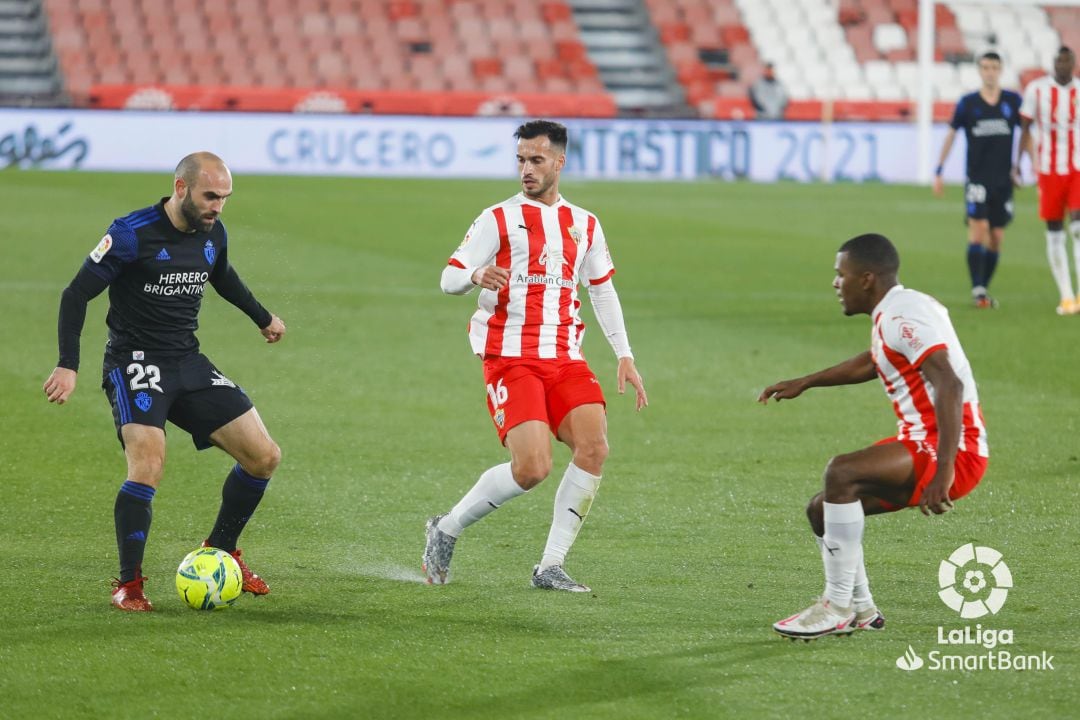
(201, 184)
(192, 165)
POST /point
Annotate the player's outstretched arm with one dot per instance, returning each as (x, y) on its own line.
(858, 369)
(491, 277)
(275, 331)
(472, 264)
(628, 373)
(1023, 147)
(84, 287)
(946, 147)
(60, 385)
(609, 315)
(948, 410)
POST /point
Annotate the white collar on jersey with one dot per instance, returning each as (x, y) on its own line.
(526, 199)
(881, 303)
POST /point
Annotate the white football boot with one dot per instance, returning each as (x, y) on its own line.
(869, 619)
(820, 619)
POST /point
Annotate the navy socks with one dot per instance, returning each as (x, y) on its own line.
(132, 513)
(239, 497)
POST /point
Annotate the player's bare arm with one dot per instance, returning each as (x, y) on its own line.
(627, 373)
(1023, 147)
(948, 410)
(853, 371)
(275, 331)
(60, 385)
(939, 183)
(491, 277)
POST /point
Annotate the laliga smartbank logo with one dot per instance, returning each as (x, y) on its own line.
(974, 582)
(970, 571)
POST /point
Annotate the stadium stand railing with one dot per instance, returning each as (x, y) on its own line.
(28, 71)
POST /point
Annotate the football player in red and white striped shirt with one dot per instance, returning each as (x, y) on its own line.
(939, 454)
(1053, 104)
(528, 255)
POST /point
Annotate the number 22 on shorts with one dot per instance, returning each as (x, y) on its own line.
(497, 393)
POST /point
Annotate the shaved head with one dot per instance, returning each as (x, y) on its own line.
(189, 168)
(201, 185)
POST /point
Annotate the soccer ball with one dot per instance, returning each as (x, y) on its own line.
(209, 579)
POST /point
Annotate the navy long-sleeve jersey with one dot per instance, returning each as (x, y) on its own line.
(156, 275)
(989, 131)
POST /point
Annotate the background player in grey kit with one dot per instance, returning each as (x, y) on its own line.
(155, 263)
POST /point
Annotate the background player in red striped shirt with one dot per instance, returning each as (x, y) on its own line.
(938, 455)
(1052, 103)
(528, 255)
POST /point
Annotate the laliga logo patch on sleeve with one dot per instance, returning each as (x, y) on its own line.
(910, 336)
(102, 248)
(468, 235)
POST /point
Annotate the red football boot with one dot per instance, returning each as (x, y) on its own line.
(252, 582)
(129, 596)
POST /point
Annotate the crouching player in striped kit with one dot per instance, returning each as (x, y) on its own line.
(528, 255)
(938, 455)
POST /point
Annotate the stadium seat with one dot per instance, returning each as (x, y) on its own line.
(430, 45)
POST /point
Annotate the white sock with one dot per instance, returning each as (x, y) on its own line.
(1059, 262)
(860, 594)
(1074, 230)
(572, 502)
(842, 550)
(495, 486)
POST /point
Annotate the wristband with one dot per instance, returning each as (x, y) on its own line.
(938, 170)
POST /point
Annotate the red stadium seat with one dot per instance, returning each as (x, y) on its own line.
(674, 32)
(487, 67)
(554, 12)
(439, 46)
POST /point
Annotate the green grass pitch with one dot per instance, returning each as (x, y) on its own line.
(697, 541)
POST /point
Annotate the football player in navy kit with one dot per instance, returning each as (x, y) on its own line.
(988, 118)
(156, 263)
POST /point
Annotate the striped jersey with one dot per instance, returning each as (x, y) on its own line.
(549, 251)
(908, 327)
(1055, 109)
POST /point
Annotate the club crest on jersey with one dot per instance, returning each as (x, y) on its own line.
(102, 247)
(209, 251)
(143, 401)
(576, 235)
(500, 417)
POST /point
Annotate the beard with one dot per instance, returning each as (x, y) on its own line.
(193, 218)
(538, 190)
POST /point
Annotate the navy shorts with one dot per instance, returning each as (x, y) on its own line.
(989, 202)
(188, 391)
